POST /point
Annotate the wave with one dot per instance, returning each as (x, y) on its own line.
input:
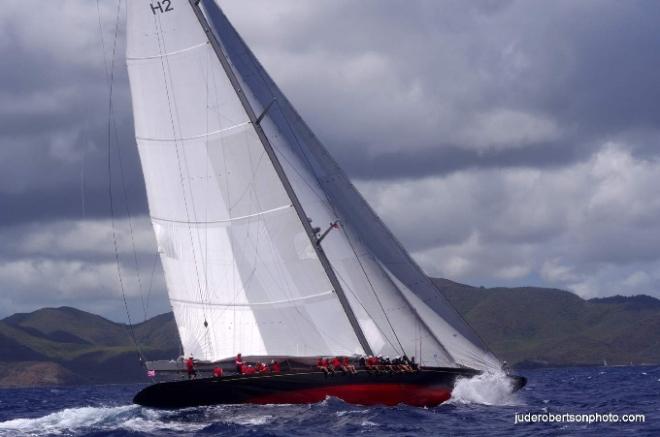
(134, 418)
(485, 389)
(66, 420)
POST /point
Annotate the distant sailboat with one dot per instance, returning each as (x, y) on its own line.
(240, 191)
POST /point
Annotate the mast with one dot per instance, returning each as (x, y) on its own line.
(255, 122)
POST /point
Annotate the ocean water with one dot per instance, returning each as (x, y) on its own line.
(478, 407)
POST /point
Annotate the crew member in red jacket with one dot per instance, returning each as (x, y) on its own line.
(337, 365)
(239, 364)
(190, 367)
(322, 365)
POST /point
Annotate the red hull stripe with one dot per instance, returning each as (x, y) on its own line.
(362, 394)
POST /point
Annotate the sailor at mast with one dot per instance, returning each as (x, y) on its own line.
(239, 363)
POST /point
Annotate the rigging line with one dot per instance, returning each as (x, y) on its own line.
(221, 122)
(179, 153)
(166, 72)
(130, 219)
(207, 179)
(167, 55)
(109, 79)
(110, 197)
(357, 299)
(373, 290)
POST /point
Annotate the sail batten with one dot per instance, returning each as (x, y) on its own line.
(195, 137)
(281, 302)
(229, 220)
(165, 54)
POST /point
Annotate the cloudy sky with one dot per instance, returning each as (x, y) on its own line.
(504, 142)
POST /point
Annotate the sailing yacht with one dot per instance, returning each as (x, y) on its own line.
(268, 249)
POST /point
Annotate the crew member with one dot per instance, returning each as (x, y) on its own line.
(322, 364)
(217, 372)
(337, 365)
(348, 366)
(239, 364)
(190, 367)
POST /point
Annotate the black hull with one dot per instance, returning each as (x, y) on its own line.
(427, 387)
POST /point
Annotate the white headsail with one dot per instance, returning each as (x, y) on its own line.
(235, 251)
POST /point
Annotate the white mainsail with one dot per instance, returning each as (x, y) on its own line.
(242, 272)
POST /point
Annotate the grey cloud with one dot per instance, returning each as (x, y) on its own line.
(73, 263)
(495, 113)
(587, 67)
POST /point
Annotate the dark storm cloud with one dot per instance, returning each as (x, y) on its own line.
(54, 136)
(360, 164)
(588, 67)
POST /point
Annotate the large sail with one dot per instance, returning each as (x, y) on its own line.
(230, 197)
(399, 308)
(241, 271)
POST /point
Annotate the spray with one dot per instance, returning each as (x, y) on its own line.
(491, 388)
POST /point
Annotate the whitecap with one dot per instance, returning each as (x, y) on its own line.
(250, 420)
(66, 420)
(74, 420)
(342, 413)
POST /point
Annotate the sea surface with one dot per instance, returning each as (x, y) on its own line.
(478, 407)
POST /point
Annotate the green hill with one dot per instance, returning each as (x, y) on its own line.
(525, 326)
(81, 347)
(554, 327)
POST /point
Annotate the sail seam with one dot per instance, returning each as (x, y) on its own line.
(193, 137)
(176, 52)
(252, 304)
(279, 208)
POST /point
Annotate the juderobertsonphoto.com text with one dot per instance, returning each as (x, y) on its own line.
(521, 418)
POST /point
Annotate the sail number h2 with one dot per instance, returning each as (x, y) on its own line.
(161, 6)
